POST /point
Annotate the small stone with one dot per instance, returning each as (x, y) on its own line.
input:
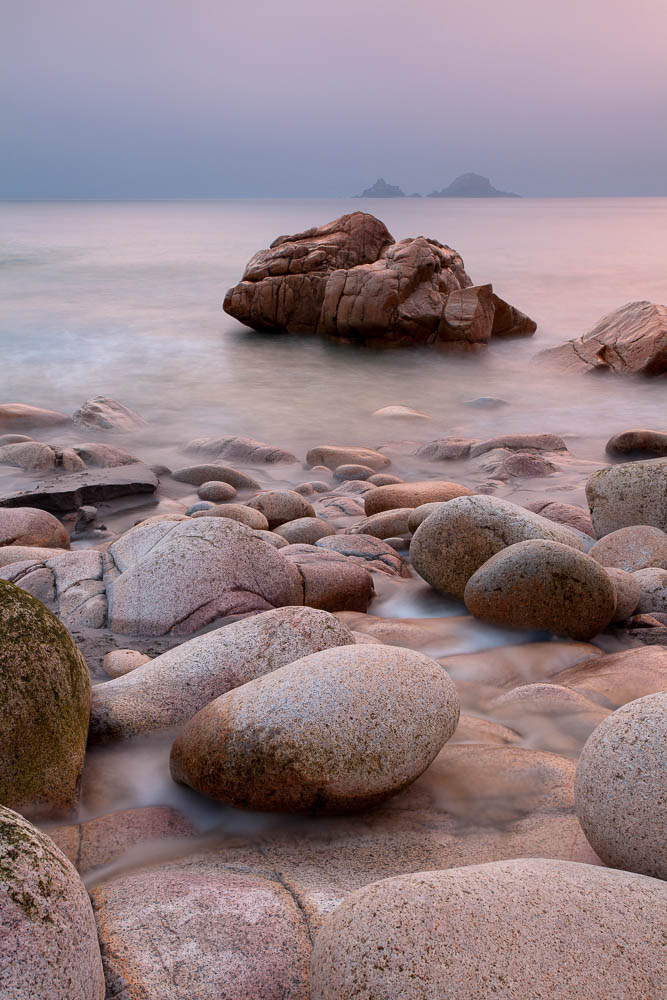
(197, 475)
(280, 506)
(399, 412)
(195, 508)
(217, 492)
(304, 530)
(387, 524)
(344, 472)
(119, 662)
(332, 456)
(383, 479)
(620, 787)
(239, 512)
(272, 538)
(412, 495)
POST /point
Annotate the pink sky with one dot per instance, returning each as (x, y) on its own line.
(167, 98)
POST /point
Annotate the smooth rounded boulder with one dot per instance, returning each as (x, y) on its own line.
(304, 530)
(44, 707)
(652, 590)
(412, 495)
(512, 929)
(280, 506)
(31, 526)
(543, 585)
(638, 440)
(621, 787)
(335, 732)
(179, 575)
(48, 937)
(455, 540)
(624, 495)
(173, 687)
(218, 492)
(331, 456)
(632, 548)
(628, 592)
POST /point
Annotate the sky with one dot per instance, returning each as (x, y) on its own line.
(304, 98)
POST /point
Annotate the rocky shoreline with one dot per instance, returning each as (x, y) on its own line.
(431, 673)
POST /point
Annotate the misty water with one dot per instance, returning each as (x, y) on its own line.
(124, 299)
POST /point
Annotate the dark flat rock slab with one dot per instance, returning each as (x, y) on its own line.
(59, 494)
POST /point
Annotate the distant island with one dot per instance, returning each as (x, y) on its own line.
(382, 190)
(472, 186)
(465, 186)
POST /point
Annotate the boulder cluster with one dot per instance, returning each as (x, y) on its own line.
(464, 804)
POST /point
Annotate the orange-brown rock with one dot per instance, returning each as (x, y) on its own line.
(631, 340)
(350, 280)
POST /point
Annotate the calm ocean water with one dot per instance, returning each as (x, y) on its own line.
(125, 299)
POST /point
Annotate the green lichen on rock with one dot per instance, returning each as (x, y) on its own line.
(44, 707)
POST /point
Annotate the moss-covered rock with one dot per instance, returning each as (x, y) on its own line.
(44, 707)
(48, 939)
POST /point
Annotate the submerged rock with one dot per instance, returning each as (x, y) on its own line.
(331, 456)
(198, 475)
(243, 449)
(336, 731)
(620, 787)
(525, 928)
(44, 707)
(179, 575)
(105, 413)
(16, 416)
(48, 938)
(631, 340)
(350, 280)
(173, 687)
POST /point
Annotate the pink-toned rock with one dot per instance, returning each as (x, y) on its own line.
(386, 524)
(370, 552)
(402, 495)
(628, 592)
(217, 492)
(331, 582)
(618, 678)
(447, 448)
(105, 413)
(652, 444)
(198, 929)
(29, 526)
(304, 530)
(631, 340)
(633, 548)
(197, 475)
(16, 416)
(119, 662)
(32, 456)
(337, 731)
(620, 787)
(242, 449)
(563, 513)
(48, 942)
(446, 933)
(280, 506)
(332, 456)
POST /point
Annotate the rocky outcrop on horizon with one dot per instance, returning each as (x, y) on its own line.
(382, 190)
(471, 186)
(631, 340)
(350, 280)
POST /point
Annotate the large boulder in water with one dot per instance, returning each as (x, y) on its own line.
(350, 280)
(44, 707)
(48, 938)
(177, 575)
(631, 340)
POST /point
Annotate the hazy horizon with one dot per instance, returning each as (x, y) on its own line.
(257, 100)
